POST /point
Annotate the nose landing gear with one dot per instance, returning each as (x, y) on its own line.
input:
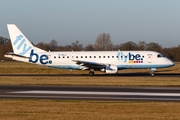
(152, 71)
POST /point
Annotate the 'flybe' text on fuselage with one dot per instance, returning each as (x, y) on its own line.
(43, 59)
(137, 58)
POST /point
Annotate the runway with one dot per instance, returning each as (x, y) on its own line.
(98, 75)
(90, 93)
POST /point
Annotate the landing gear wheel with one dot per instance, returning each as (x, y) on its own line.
(91, 73)
(152, 73)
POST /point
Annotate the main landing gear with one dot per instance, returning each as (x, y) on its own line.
(91, 72)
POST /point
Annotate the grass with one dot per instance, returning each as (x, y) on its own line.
(87, 110)
(27, 68)
(24, 68)
(28, 109)
(92, 81)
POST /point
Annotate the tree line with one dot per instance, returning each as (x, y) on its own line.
(102, 43)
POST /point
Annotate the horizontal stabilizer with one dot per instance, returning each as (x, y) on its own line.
(11, 54)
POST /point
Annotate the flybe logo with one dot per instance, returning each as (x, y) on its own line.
(43, 59)
(21, 44)
(137, 58)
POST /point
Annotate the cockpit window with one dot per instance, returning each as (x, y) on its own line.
(160, 56)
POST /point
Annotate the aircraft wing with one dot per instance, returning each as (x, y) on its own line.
(88, 65)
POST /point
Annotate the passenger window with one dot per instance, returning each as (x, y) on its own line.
(112, 56)
(94, 56)
(54, 56)
(76, 56)
(103, 56)
(117, 56)
(108, 57)
(121, 56)
(99, 56)
(63, 57)
(81, 56)
(67, 56)
(89, 56)
(59, 57)
(85, 56)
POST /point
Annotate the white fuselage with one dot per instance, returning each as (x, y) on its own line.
(123, 59)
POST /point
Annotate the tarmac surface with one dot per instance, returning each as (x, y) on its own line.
(162, 94)
(100, 75)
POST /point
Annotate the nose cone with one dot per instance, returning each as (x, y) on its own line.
(171, 63)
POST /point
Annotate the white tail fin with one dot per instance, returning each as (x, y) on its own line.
(21, 45)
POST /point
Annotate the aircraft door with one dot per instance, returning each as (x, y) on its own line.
(149, 58)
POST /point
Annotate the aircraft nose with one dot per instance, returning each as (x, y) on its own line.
(171, 63)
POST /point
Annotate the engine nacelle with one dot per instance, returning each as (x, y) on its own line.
(112, 69)
(103, 69)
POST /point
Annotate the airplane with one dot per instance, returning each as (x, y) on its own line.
(105, 61)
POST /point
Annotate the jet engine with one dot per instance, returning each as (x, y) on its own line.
(110, 69)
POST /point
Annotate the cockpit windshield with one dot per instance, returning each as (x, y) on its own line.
(160, 56)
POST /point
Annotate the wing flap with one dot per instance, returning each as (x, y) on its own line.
(87, 63)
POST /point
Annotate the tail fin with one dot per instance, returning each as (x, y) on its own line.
(20, 44)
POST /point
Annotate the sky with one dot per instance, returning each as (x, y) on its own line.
(69, 20)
